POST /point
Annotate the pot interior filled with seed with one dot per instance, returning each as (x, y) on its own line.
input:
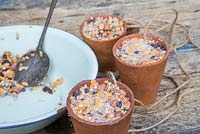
(140, 51)
(141, 61)
(102, 104)
(103, 28)
(101, 32)
(7, 83)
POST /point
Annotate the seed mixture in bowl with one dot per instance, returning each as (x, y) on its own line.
(100, 103)
(8, 86)
(7, 83)
(103, 28)
(139, 51)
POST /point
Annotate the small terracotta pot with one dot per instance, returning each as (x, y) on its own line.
(119, 126)
(103, 49)
(144, 80)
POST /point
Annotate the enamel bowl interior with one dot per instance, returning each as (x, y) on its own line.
(70, 58)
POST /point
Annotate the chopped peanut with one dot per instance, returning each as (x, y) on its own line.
(1, 91)
(25, 84)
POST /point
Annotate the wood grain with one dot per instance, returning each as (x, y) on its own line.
(68, 16)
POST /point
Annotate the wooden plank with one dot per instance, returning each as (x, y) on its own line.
(187, 118)
(178, 123)
(68, 16)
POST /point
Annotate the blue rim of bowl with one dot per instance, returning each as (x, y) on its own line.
(93, 76)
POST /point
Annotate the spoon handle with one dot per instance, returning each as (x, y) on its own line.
(41, 42)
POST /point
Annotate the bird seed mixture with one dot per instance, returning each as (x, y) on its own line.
(8, 86)
(140, 51)
(7, 83)
(103, 28)
(100, 103)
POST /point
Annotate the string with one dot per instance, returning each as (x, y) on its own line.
(178, 103)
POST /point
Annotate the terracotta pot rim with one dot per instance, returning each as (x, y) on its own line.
(154, 37)
(70, 111)
(104, 16)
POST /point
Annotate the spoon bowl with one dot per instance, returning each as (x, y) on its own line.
(36, 63)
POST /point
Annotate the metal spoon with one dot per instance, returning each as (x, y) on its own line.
(34, 65)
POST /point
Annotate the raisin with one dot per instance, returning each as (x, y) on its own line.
(47, 89)
(153, 57)
(162, 48)
(76, 93)
(86, 90)
(136, 52)
(1, 74)
(119, 104)
(154, 45)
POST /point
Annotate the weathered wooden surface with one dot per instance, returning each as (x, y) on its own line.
(68, 17)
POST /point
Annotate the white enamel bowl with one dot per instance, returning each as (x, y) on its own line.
(70, 58)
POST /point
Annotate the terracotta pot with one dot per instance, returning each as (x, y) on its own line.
(103, 49)
(119, 126)
(144, 80)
